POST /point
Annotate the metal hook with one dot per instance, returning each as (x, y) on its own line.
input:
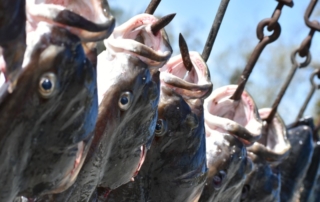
(314, 86)
(307, 14)
(265, 40)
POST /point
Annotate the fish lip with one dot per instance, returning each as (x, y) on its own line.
(123, 37)
(141, 161)
(269, 153)
(201, 86)
(71, 176)
(85, 27)
(245, 133)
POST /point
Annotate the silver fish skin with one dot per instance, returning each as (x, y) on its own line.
(294, 168)
(123, 132)
(47, 121)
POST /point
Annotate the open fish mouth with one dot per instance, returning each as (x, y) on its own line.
(274, 146)
(191, 84)
(135, 37)
(239, 118)
(88, 19)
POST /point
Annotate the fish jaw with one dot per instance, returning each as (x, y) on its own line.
(195, 84)
(93, 24)
(275, 146)
(239, 118)
(135, 37)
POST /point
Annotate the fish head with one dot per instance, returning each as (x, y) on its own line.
(135, 54)
(228, 166)
(50, 115)
(263, 183)
(90, 20)
(127, 116)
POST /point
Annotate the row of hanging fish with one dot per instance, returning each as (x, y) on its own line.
(133, 123)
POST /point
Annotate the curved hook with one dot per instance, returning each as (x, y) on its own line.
(264, 41)
(314, 86)
(307, 14)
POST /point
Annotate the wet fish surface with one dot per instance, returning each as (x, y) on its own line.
(47, 120)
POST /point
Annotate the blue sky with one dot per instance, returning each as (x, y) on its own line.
(240, 23)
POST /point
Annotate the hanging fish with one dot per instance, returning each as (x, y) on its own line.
(47, 121)
(264, 182)
(175, 166)
(128, 92)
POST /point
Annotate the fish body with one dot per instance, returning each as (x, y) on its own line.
(47, 121)
(294, 168)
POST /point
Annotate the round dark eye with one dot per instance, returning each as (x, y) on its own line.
(47, 85)
(160, 128)
(218, 179)
(125, 100)
(245, 192)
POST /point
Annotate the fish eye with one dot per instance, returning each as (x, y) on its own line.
(218, 179)
(125, 100)
(160, 128)
(245, 192)
(47, 85)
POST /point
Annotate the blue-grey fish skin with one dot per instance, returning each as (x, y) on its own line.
(294, 168)
(45, 132)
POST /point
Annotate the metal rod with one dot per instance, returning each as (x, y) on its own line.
(161, 23)
(152, 6)
(185, 53)
(214, 29)
(314, 86)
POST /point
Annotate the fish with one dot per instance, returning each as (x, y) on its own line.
(47, 121)
(294, 168)
(175, 166)
(227, 160)
(309, 182)
(12, 38)
(264, 182)
(228, 166)
(89, 20)
(128, 96)
(239, 118)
